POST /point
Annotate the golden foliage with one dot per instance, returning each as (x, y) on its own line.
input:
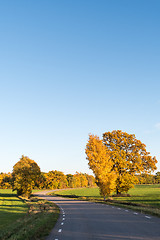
(118, 157)
(129, 157)
(5, 180)
(55, 180)
(25, 172)
(100, 163)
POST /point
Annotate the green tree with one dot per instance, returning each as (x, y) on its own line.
(129, 157)
(25, 172)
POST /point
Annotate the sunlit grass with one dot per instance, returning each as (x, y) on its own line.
(25, 219)
(11, 207)
(143, 195)
(81, 192)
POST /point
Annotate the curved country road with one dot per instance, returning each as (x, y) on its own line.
(80, 220)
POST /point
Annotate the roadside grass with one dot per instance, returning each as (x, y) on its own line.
(143, 198)
(11, 207)
(25, 219)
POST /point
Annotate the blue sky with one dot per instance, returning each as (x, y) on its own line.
(70, 68)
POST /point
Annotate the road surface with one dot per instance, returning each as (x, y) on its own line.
(81, 220)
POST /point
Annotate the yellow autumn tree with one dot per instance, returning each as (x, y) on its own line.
(55, 180)
(101, 164)
(5, 180)
(129, 158)
(25, 173)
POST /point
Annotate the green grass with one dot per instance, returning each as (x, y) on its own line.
(88, 193)
(148, 195)
(11, 207)
(144, 198)
(25, 219)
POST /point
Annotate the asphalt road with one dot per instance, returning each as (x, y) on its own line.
(80, 220)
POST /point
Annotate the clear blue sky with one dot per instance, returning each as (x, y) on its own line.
(70, 68)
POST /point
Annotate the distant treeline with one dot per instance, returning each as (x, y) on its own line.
(58, 180)
(54, 180)
(149, 178)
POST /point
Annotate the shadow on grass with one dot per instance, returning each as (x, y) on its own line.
(7, 214)
(9, 197)
(11, 203)
(13, 207)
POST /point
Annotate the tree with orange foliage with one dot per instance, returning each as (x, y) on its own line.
(129, 158)
(101, 164)
(5, 180)
(55, 180)
(25, 172)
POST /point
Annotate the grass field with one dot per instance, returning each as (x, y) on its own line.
(144, 198)
(144, 195)
(11, 207)
(25, 219)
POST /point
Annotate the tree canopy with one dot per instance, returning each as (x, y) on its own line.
(119, 157)
(55, 180)
(25, 172)
(129, 157)
(100, 163)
